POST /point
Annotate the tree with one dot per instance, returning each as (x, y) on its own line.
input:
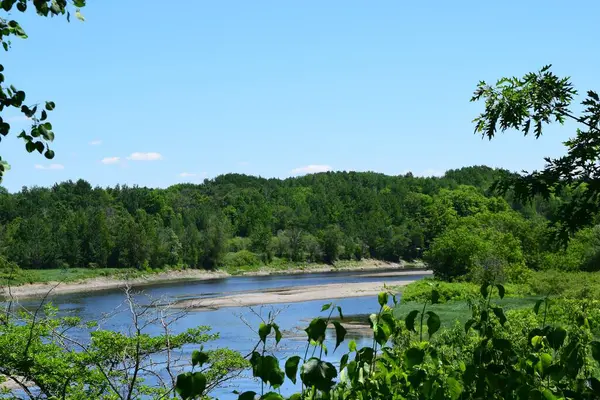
(528, 104)
(331, 240)
(40, 135)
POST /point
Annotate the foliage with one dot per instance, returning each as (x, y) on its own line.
(324, 218)
(495, 355)
(527, 104)
(40, 135)
(47, 356)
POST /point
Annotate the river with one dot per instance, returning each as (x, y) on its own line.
(227, 322)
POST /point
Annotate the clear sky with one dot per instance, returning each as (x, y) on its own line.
(154, 93)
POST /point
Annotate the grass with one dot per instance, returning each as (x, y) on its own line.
(453, 311)
(67, 275)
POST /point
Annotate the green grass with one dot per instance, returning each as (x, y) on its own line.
(453, 311)
(67, 275)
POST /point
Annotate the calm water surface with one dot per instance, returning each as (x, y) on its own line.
(233, 332)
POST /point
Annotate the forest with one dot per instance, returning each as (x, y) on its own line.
(454, 222)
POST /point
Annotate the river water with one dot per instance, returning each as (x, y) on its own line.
(229, 322)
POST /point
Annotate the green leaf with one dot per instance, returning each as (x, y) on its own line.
(382, 298)
(340, 312)
(291, 368)
(536, 308)
(433, 323)
(340, 334)
(278, 334)
(318, 373)
(352, 346)
(79, 16)
(190, 385)
(499, 312)
(557, 337)
(50, 105)
(469, 324)
(414, 356)
(455, 388)
(344, 361)
(595, 345)
(410, 320)
(39, 146)
(501, 290)
(49, 154)
(249, 395)
(501, 344)
(316, 330)
(326, 307)
(263, 331)
(29, 146)
(267, 369)
(435, 296)
(199, 358)
(548, 395)
(271, 396)
(484, 290)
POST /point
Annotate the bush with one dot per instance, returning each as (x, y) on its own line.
(243, 258)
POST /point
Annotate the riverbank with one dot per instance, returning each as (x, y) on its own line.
(298, 294)
(68, 285)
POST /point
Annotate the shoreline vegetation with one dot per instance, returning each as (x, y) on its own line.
(79, 280)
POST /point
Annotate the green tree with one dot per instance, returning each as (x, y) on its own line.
(40, 135)
(529, 103)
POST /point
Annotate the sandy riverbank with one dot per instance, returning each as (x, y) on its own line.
(37, 290)
(301, 293)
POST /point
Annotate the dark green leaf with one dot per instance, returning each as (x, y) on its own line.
(469, 324)
(414, 356)
(29, 146)
(316, 330)
(557, 337)
(340, 312)
(263, 331)
(250, 395)
(319, 374)
(435, 296)
(433, 323)
(501, 290)
(326, 307)
(50, 105)
(343, 361)
(484, 290)
(410, 320)
(340, 334)
(499, 312)
(190, 385)
(501, 344)
(49, 154)
(291, 368)
(199, 358)
(278, 334)
(595, 350)
(536, 308)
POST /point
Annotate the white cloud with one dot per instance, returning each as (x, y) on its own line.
(145, 156)
(187, 174)
(311, 169)
(95, 142)
(110, 160)
(50, 166)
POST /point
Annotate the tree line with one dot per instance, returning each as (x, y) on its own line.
(454, 222)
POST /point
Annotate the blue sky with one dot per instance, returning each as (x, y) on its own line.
(154, 95)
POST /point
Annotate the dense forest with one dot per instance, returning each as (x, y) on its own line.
(453, 222)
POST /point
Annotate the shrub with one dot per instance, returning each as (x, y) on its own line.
(242, 258)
